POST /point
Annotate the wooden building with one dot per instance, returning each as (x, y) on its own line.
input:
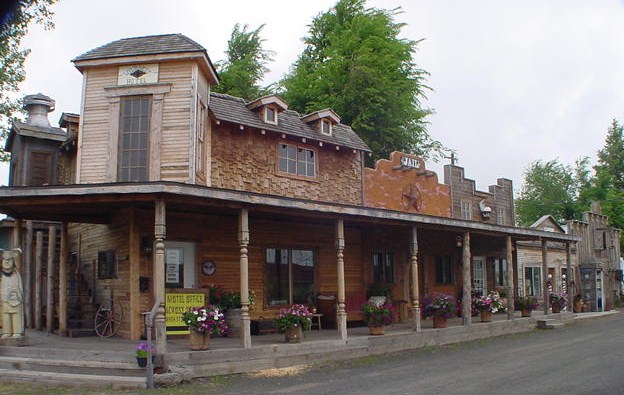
(168, 188)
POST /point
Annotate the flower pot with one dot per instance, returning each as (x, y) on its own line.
(525, 312)
(376, 330)
(233, 321)
(142, 361)
(486, 316)
(439, 321)
(199, 340)
(556, 307)
(293, 335)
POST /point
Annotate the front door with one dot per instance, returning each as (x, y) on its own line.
(179, 264)
(479, 279)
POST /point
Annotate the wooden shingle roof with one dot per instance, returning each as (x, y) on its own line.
(147, 45)
(233, 109)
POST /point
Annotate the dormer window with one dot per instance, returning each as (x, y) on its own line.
(268, 108)
(270, 115)
(323, 121)
(326, 127)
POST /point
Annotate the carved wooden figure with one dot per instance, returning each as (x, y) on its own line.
(12, 296)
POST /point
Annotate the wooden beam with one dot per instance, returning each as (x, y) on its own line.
(467, 282)
(51, 271)
(510, 280)
(571, 292)
(134, 263)
(17, 243)
(38, 264)
(63, 257)
(28, 275)
(545, 276)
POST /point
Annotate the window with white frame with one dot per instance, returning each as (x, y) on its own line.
(270, 115)
(532, 281)
(326, 127)
(297, 160)
(466, 209)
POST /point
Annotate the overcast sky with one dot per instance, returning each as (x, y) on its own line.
(512, 81)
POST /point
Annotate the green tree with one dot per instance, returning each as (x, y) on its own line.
(608, 183)
(245, 64)
(550, 188)
(13, 28)
(355, 63)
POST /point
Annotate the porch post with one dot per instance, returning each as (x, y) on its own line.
(545, 276)
(415, 291)
(62, 281)
(134, 259)
(571, 292)
(467, 283)
(243, 241)
(38, 264)
(17, 243)
(510, 281)
(160, 232)
(27, 274)
(51, 271)
(341, 313)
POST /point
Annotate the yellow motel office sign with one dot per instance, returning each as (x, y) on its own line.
(178, 303)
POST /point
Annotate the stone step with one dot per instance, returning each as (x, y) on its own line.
(122, 369)
(71, 379)
(549, 323)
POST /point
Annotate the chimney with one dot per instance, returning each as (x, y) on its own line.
(38, 106)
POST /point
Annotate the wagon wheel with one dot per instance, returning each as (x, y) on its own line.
(108, 319)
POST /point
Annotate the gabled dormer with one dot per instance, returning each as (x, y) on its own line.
(268, 108)
(322, 121)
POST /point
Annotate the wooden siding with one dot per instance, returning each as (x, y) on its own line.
(97, 127)
(246, 160)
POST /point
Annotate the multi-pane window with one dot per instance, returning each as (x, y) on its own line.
(296, 160)
(383, 268)
(134, 139)
(444, 270)
(532, 281)
(289, 276)
(466, 209)
(500, 216)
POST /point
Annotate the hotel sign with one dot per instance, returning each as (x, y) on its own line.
(138, 74)
(175, 305)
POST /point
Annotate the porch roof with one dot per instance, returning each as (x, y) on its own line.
(97, 203)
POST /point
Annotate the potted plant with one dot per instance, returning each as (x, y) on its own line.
(142, 351)
(204, 322)
(231, 305)
(557, 301)
(292, 321)
(377, 316)
(440, 307)
(488, 305)
(526, 304)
